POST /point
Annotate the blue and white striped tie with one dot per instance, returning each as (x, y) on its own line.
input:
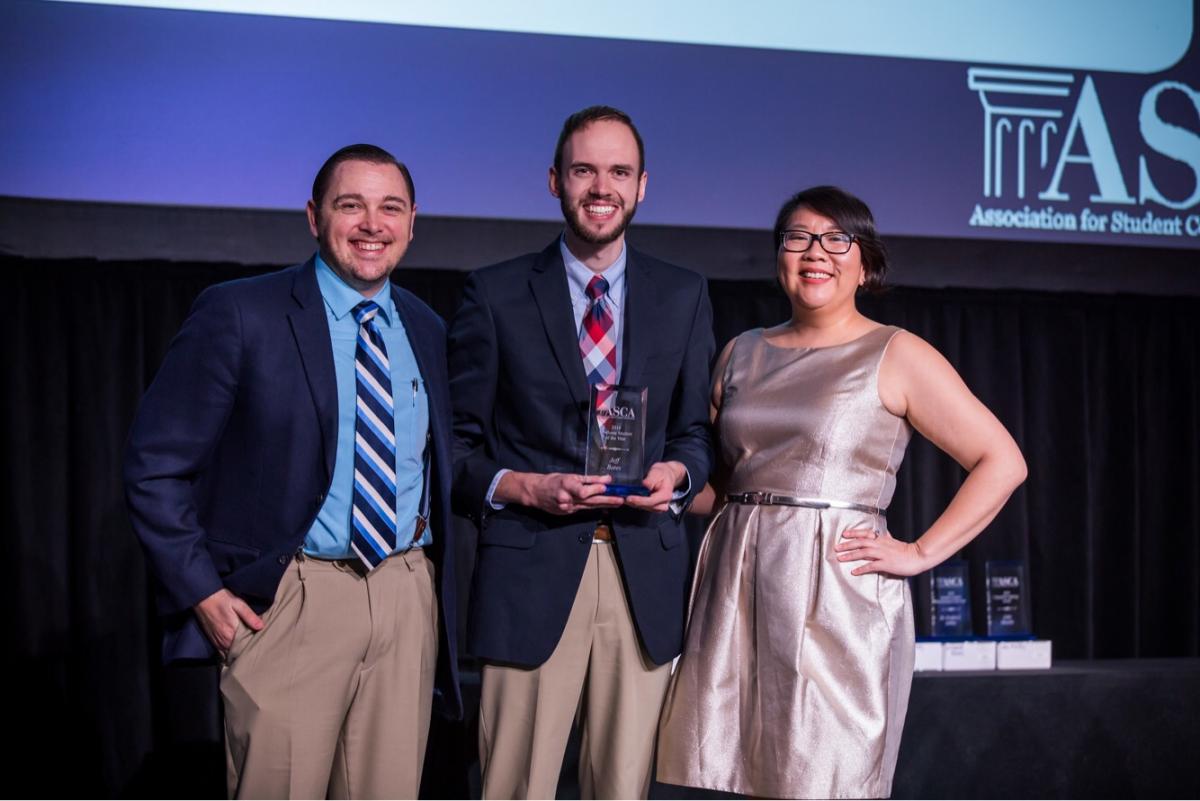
(373, 524)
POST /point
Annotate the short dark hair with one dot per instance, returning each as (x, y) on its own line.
(372, 154)
(852, 216)
(587, 116)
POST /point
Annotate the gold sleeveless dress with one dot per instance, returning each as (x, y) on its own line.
(794, 677)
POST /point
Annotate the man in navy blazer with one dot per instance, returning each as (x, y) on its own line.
(288, 474)
(579, 597)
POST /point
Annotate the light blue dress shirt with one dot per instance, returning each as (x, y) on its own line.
(329, 537)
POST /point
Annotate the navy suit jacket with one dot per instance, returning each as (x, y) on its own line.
(232, 450)
(520, 402)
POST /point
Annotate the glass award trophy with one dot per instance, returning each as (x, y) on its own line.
(1008, 613)
(950, 601)
(616, 443)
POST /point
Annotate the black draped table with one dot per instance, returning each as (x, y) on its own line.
(1097, 729)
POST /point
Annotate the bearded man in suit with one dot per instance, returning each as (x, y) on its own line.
(579, 597)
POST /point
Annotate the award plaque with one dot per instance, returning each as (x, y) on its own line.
(616, 443)
(950, 601)
(1008, 613)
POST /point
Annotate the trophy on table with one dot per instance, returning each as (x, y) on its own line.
(1008, 613)
(616, 443)
(1009, 645)
(950, 601)
(948, 646)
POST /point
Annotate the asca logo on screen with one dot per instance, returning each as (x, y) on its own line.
(1032, 134)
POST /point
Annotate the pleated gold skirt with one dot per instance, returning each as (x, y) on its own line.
(795, 675)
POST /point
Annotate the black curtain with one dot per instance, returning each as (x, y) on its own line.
(1101, 392)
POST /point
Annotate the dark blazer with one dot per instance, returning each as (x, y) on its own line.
(520, 402)
(232, 451)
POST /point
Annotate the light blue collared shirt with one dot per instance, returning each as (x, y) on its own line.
(329, 537)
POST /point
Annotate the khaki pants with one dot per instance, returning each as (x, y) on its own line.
(599, 669)
(332, 698)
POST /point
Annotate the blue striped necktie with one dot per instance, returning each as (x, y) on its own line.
(373, 523)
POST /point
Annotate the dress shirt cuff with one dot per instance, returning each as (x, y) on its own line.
(487, 499)
(677, 505)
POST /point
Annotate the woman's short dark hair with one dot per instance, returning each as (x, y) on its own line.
(852, 216)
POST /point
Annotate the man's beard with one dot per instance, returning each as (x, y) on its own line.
(573, 215)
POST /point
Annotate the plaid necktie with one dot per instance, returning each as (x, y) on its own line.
(373, 525)
(596, 344)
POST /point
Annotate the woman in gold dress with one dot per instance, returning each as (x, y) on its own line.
(796, 669)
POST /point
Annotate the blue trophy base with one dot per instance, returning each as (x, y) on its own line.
(625, 490)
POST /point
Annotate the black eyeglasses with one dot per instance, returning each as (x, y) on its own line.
(834, 242)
